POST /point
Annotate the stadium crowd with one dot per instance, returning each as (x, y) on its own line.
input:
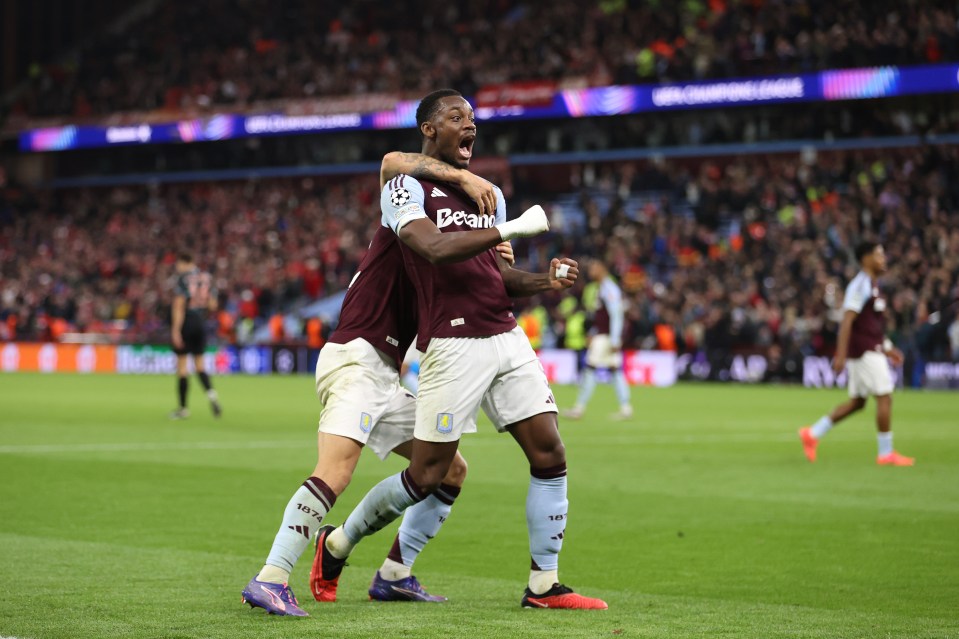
(748, 253)
(102, 260)
(238, 54)
(762, 258)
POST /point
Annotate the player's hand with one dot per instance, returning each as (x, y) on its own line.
(177, 340)
(896, 357)
(568, 278)
(505, 250)
(838, 364)
(532, 222)
(480, 191)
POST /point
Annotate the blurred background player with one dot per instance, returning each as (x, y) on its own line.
(862, 348)
(605, 349)
(194, 297)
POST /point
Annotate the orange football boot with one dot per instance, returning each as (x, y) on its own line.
(895, 459)
(325, 574)
(561, 597)
(809, 443)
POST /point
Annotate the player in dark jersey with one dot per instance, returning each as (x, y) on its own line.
(357, 380)
(475, 355)
(862, 349)
(193, 298)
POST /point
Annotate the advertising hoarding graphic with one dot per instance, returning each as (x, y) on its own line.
(514, 102)
(57, 358)
(648, 368)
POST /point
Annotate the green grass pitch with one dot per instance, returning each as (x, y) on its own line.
(701, 518)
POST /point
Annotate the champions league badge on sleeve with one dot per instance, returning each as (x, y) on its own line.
(399, 197)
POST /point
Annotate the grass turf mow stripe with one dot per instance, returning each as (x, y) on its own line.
(700, 517)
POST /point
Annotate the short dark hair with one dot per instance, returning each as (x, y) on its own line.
(185, 256)
(430, 104)
(864, 248)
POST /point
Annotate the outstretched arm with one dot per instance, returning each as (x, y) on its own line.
(523, 284)
(423, 166)
(442, 248)
(404, 210)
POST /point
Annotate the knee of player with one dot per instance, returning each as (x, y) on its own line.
(427, 479)
(337, 480)
(548, 456)
(456, 475)
(859, 403)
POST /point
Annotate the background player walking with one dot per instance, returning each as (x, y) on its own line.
(605, 348)
(194, 296)
(862, 340)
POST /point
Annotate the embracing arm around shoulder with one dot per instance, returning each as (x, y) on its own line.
(403, 204)
(422, 166)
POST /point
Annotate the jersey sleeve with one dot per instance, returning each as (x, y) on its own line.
(857, 293)
(613, 301)
(401, 202)
(500, 206)
(181, 288)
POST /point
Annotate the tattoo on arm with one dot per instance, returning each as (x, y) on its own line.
(430, 168)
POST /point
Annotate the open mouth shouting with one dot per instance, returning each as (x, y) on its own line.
(466, 146)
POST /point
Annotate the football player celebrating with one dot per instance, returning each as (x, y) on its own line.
(474, 355)
(358, 383)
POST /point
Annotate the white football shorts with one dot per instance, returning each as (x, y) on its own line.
(869, 375)
(458, 375)
(600, 353)
(362, 397)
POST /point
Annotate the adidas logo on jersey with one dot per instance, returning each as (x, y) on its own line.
(437, 193)
(445, 217)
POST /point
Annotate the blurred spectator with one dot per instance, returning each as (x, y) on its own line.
(101, 260)
(220, 53)
(748, 253)
(752, 253)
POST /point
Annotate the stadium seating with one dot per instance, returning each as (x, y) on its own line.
(219, 53)
(745, 253)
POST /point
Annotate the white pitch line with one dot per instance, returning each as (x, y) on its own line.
(132, 447)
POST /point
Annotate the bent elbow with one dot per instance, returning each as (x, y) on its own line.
(433, 254)
(440, 252)
(388, 166)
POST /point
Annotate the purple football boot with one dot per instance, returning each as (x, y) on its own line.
(276, 599)
(408, 589)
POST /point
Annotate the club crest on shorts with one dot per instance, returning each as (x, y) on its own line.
(366, 422)
(444, 422)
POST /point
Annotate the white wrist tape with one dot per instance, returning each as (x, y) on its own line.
(532, 222)
(562, 271)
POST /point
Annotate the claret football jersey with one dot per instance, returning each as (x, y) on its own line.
(380, 304)
(868, 329)
(462, 299)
